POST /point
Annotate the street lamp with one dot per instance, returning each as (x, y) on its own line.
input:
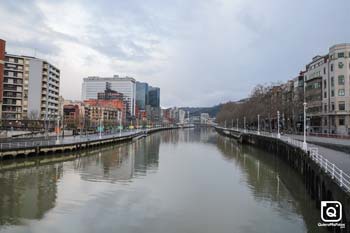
(258, 124)
(58, 130)
(100, 129)
(278, 125)
(244, 125)
(304, 142)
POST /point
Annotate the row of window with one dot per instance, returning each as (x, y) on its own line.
(318, 73)
(341, 121)
(339, 55)
(341, 92)
(341, 107)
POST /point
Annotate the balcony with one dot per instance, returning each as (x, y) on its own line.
(12, 96)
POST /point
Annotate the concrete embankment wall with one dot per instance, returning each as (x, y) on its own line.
(74, 146)
(319, 184)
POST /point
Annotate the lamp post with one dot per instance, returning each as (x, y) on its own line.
(278, 125)
(244, 124)
(100, 129)
(304, 142)
(258, 124)
(58, 130)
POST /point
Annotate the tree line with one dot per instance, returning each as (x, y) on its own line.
(265, 101)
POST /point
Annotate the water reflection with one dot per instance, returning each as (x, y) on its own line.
(189, 180)
(272, 181)
(28, 193)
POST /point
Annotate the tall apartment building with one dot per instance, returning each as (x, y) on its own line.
(126, 85)
(2, 62)
(12, 88)
(29, 88)
(327, 91)
(41, 89)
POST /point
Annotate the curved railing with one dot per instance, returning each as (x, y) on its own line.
(331, 169)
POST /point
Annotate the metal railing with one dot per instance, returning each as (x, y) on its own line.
(337, 174)
(70, 139)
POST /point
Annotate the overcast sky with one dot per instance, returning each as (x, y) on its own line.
(200, 53)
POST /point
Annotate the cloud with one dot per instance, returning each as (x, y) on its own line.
(199, 53)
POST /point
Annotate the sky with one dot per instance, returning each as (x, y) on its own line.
(200, 53)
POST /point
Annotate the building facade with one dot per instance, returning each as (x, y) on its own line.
(154, 97)
(12, 88)
(327, 91)
(41, 89)
(141, 95)
(126, 85)
(2, 62)
(29, 87)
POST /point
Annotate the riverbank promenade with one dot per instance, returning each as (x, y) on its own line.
(26, 146)
(332, 162)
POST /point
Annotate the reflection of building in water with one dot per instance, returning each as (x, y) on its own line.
(108, 164)
(171, 136)
(147, 154)
(260, 168)
(271, 179)
(118, 163)
(198, 134)
(28, 193)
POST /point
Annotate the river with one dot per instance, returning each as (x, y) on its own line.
(189, 180)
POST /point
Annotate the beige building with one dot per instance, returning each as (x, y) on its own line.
(30, 88)
(327, 91)
(12, 89)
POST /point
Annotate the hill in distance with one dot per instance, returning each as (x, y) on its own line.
(196, 111)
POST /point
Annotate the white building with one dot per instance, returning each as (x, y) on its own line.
(327, 91)
(125, 85)
(41, 89)
(31, 88)
(182, 115)
(204, 118)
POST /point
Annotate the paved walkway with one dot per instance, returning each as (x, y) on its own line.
(340, 158)
(30, 142)
(335, 141)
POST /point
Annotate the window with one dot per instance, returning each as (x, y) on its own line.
(341, 121)
(340, 65)
(325, 108)
(333, 106)
(325, 95)
(332, 81)
(324, 70)
(331, 67)
(341, 92)
(332, 93)
(325, 121)
(340, 55)
(341, 105)
(341, 80)
(324, 84)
